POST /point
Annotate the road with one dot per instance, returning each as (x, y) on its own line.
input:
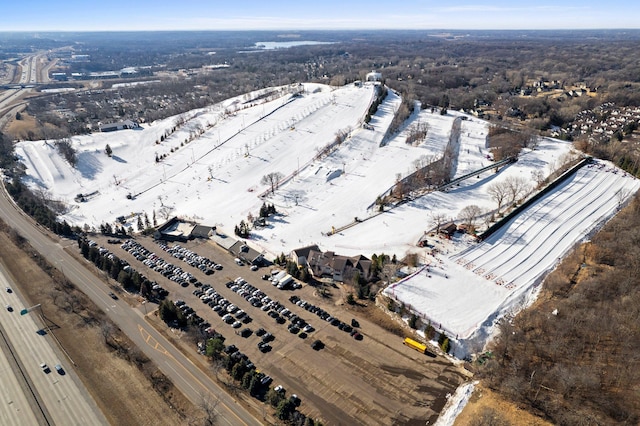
(56, 398)
(17, 401)
(185, 375)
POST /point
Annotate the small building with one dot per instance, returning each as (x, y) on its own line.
(203, 231)
(176, 229)
(374, 76)
(448, 229)
(121, 125)
(59, 76)
(248, 254)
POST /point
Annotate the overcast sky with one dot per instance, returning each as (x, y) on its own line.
(119, 15)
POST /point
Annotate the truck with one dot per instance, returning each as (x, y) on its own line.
(284, 282)
(279, 276)
(415, 345)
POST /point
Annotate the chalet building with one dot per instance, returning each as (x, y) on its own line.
(339, 268)
(301, 255)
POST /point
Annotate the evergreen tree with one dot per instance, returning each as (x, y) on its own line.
(285, 409)
(108, 150)
(214, 347)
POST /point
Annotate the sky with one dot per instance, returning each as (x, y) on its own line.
(148, 15)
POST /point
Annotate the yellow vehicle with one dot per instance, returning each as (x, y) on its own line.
(415, 345)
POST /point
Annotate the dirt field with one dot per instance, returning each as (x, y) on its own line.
(374, 381)
(118, 387)
(484, 399)
(26, 127)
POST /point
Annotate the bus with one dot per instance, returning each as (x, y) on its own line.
(415, 345)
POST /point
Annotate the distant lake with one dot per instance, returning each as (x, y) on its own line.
(271, 45)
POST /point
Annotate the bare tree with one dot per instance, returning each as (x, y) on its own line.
(272, 179)
(538, 176)
(106, 330)
(498, 192)
(517, 187)
(165, 212)
(209, 407)
(488, 218)
(438, 219)
(469, 215)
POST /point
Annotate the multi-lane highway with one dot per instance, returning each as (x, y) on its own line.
(53, 397)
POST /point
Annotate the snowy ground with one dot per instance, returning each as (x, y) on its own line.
(464, 293)
(215, 162)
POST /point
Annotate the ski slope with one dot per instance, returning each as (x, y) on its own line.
(211, 163)
(464, 293)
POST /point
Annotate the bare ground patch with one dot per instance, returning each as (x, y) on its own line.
(487, 407)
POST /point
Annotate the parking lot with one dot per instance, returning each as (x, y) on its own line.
(356, 372)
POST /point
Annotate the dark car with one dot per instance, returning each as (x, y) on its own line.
(113, 295)
(317, 345)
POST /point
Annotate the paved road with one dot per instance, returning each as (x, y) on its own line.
(59, 399)
(185, 375)
(16, 401)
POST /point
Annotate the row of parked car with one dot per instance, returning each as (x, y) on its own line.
(229, 312)
(324, 315)
(273, 308)
(192, 258)
(155, 262)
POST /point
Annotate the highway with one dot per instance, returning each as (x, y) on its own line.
(57, 399)
(17, 405)
(186, 376)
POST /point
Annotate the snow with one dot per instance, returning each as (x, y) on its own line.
(464, 293)
(213, 173)
(455, 404)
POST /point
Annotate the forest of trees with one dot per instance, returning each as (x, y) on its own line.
(475, 70)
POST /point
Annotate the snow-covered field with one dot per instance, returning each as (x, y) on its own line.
(215, 162)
